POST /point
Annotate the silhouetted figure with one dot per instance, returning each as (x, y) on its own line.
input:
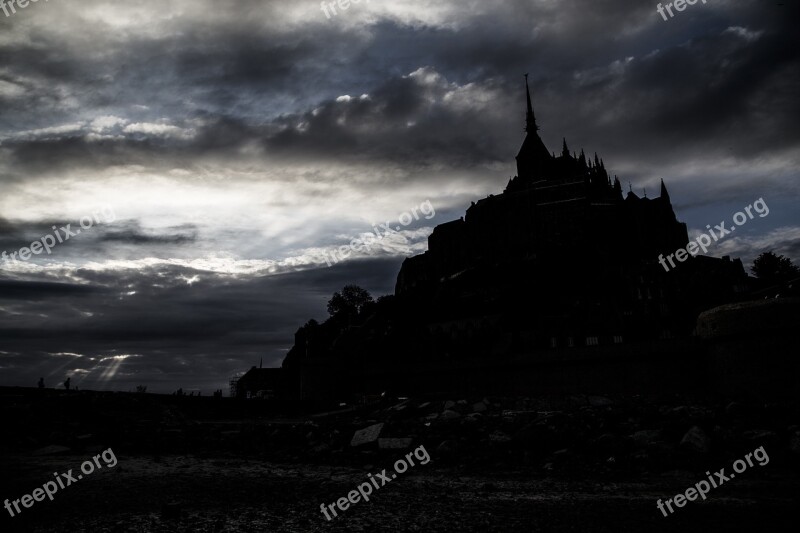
(66, 383)
(41, 383)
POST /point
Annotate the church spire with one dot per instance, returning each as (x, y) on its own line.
(664, 193)
(530, 118)
(534, 159)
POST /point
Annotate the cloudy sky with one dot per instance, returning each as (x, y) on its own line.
(216, 150)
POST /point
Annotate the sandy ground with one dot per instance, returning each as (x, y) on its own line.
(227, 494)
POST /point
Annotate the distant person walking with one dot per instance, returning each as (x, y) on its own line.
(41, 383)
(66, 384)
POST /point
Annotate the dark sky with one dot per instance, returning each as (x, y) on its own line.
(225, 146)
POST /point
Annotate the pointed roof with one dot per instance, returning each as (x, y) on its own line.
(530, 118)
(631, 196)
(533, 157)
(664, 193)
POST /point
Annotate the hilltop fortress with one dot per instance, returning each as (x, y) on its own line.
(574, 258)
(552, 285)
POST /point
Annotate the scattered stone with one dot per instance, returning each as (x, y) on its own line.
(447, 447)
(734, 410)
(367, 435)
(679, 411)
(498, 437)
(696, 440)
(759, 434)
(450, 415)
(599, 401)
(449, 404)
(646, 436)
(794, 445)
(400, 406)
(395, 444)
(53, 449)
(479, 407)
(641, 457)
(608, 443)
(321, 448)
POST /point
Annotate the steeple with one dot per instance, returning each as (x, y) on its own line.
(530, 118)
(664, 193)
(564, 149)
(534, 159)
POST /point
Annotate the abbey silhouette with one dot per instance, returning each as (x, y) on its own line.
(561, 260)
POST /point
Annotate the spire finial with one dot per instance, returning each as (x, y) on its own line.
(530, 118)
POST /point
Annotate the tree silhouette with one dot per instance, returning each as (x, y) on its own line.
(350, 301)
(774, 268)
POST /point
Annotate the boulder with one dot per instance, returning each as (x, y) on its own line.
(696, 440)
(367, 435)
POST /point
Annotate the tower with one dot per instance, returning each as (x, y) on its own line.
(533, 158)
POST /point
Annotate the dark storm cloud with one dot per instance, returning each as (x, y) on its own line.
(218, 324)
(394, 123)
(715, 83)
(42, 290)
(108, 238)
(135, 235)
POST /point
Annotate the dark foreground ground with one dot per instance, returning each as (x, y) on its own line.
(572, 464)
